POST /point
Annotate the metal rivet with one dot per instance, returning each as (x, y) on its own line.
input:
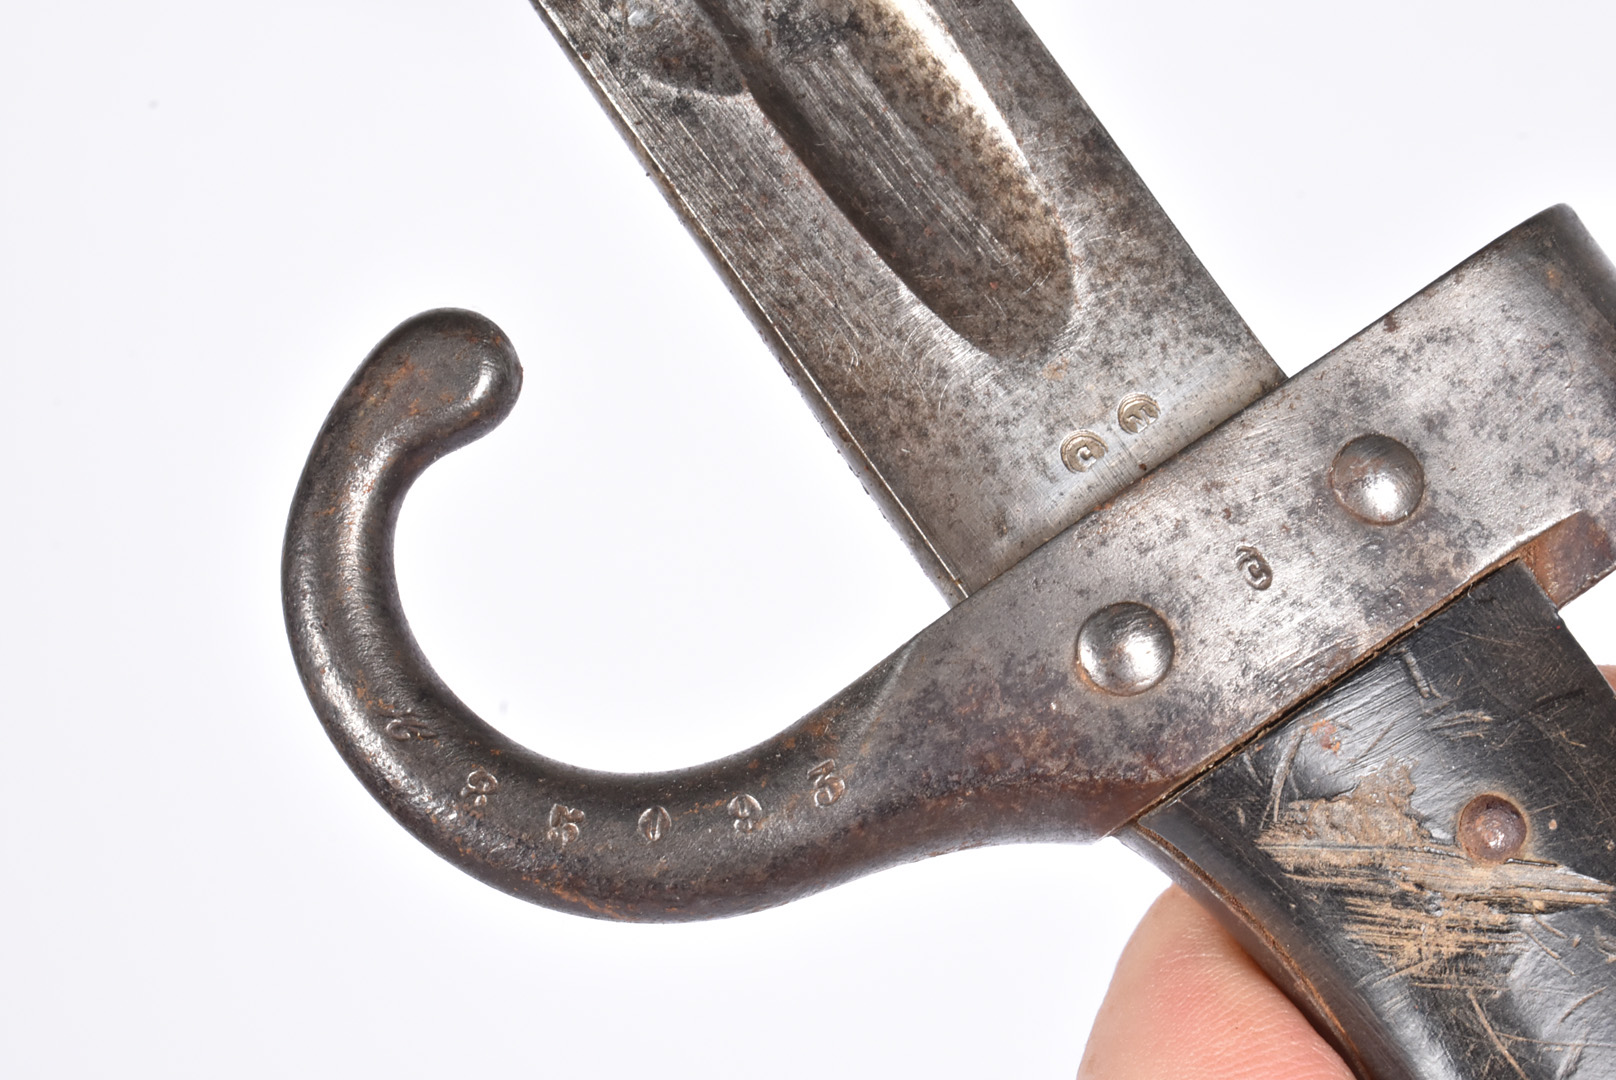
(1081, 449)
(1378, 480)
(1491, 829)
(1124, 649)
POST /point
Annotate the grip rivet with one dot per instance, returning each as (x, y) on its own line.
(1124, 649)
(1491, 829)
(1378, 479)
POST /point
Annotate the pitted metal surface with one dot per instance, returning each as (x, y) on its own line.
(1500, 379)
(987, 309)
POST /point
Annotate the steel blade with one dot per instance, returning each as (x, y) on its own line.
(976, 293)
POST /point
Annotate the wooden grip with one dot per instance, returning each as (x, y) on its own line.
(1424, 856)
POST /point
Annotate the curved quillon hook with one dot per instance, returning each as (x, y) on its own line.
(894, 768)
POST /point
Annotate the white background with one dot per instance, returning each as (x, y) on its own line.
(209, 211)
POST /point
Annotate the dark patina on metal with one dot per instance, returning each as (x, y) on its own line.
(1158, 557)
(983, 729)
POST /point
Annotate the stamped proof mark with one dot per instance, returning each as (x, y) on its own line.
(1137, 412)
(828, 783)
(1253, 567)
(564, 822)
(406, 728)
(480, 784)
(655, 823)
(1081, 450)
(746, 811)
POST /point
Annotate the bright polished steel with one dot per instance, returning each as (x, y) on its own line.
(950, 256)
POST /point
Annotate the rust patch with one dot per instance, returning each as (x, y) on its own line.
(1492, 829)
(1569, 558)
(1435, 915)
(1327, 735)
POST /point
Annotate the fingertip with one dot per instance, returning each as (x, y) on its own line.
(1186, 1002)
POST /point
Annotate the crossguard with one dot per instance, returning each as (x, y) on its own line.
(1107, 668)
(835, 795)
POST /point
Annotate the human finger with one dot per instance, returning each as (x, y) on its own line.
(1187, 1003)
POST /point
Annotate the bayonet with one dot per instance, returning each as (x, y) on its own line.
(1253, 628)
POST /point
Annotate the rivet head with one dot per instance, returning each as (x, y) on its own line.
(1491, 829)
(1378, 479)
(1124, 649)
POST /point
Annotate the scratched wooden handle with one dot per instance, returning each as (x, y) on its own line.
(1423, 857)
